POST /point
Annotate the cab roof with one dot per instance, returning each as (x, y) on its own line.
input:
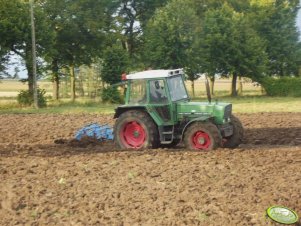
(155, 74)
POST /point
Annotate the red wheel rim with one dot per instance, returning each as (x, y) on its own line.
(133, 135)
(201, 140)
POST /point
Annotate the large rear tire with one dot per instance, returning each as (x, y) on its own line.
(135, 130)
(202, 136)
(238, 133)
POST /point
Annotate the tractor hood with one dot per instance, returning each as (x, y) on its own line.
(220, 111)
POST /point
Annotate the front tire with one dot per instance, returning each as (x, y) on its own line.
(238, 133)
(135, 130)
(202, 136)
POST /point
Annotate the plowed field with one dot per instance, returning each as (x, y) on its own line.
(47, 179)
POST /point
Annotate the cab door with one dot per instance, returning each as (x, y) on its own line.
(159, 101)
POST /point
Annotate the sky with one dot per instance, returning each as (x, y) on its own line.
(22, 72)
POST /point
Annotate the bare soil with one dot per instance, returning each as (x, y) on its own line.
(47, 178)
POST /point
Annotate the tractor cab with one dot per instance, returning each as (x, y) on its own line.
(161, 98)
(157, 91)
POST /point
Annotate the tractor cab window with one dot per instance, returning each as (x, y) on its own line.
(177, 88)
(157, 92)
(138, 92)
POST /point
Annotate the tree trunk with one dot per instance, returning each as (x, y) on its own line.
(233, 85)
(56, 87)
(29, 68)
(192, 88)
(263, 92)
(30, 78)
(80, 87)
(212, 81)
(72, 82)
(55, 79)
(240, 89)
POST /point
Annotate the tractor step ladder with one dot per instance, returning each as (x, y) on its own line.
(165, 136)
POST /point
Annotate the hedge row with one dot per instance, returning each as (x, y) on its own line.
(285, 86)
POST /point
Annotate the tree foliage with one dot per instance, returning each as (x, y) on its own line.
(233, 38)
(78, 34)
(171, 35)
(128, 20)
(115, 62)
(15, 32)
(275, 22)
(229, 46)
(282, 86)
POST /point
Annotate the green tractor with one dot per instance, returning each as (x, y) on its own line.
(158, 112)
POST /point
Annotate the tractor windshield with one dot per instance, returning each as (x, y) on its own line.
(177, 88)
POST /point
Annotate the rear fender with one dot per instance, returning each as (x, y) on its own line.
(153, 115)
(199, 119)
(122, 109)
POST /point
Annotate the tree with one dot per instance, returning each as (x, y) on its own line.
(15, 32)
(171, 35)
(192, 73)
(202, 7)
(78, 35)
(16, 74)
(251, 58)
(215, 36)
(125, 25)
(275, 22)
(4, 51)
(229, 46)
(3, 61)
(115, 62)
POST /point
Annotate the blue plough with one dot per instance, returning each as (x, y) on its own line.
(96, 131)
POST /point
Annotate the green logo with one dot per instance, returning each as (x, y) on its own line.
(282, 215)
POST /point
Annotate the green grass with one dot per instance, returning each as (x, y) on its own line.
(62, 107)
(246, 104)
